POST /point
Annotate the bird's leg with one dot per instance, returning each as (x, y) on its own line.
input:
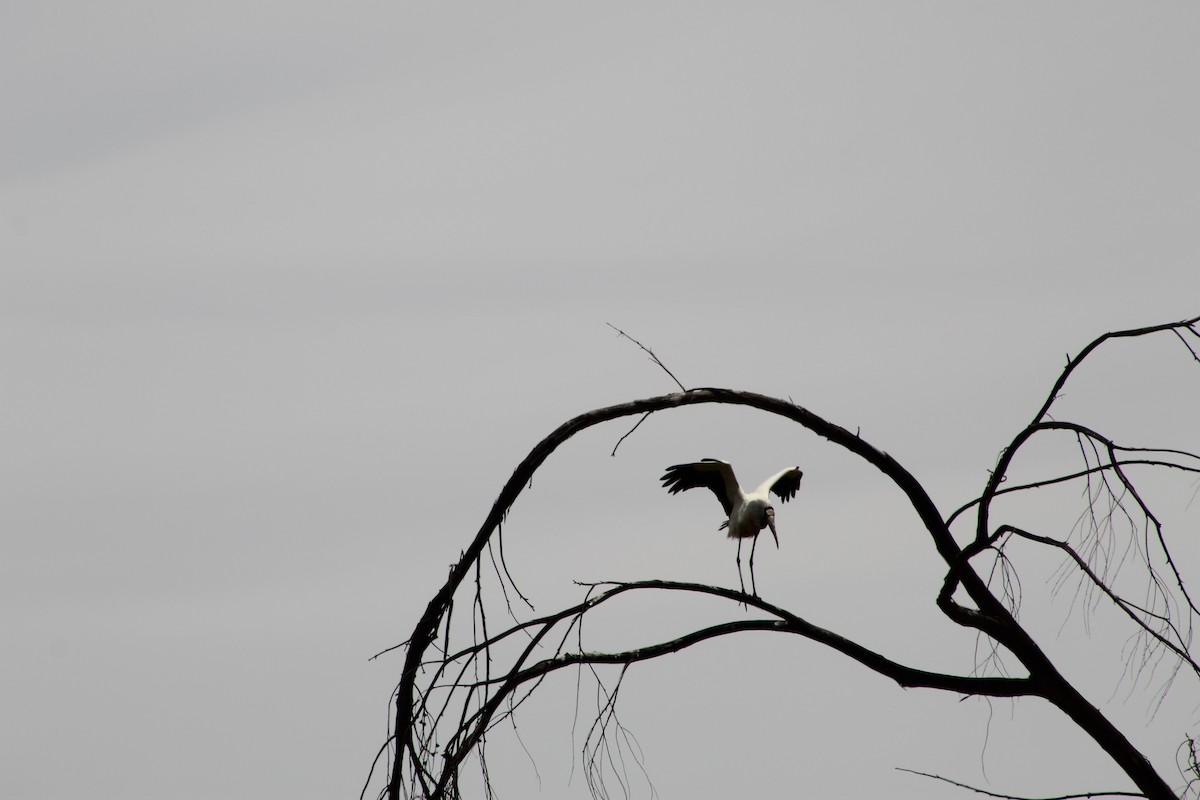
(741, 581)
(753, 547)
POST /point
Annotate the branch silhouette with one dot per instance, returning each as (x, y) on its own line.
(446, 702)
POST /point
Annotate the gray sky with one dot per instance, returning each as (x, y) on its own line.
(288, 289)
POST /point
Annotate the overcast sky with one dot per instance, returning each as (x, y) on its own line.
(287, 289)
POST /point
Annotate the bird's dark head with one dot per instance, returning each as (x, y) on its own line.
(769, 522)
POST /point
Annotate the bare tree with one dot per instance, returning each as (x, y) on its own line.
(449, 697)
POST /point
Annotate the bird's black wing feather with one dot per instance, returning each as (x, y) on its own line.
(787, 484)
(709, 473)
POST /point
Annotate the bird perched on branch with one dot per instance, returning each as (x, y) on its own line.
(748, 512)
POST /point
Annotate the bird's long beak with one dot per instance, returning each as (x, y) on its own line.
(771, 525)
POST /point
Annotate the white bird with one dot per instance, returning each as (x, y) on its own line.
(749, 512)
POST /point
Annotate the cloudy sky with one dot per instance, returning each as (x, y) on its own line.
(288, 289)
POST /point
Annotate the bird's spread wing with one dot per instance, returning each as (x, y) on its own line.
(709, 473)
(785, 484)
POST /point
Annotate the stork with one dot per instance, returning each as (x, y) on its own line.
(748, 512)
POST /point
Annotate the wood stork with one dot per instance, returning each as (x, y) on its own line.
(748, 512)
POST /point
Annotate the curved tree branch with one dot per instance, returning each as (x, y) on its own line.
(1132, 333)
(784, 622)
(1083, 473)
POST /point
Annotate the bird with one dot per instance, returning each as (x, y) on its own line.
(748, 512)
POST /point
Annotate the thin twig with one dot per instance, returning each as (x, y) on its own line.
(650, 353)
(1015, 796)
(630, 431)
(388, 650)
(1186, 343)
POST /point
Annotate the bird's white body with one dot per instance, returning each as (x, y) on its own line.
(749, 512)
(745, 520)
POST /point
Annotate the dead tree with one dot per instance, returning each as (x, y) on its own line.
(448, 699)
